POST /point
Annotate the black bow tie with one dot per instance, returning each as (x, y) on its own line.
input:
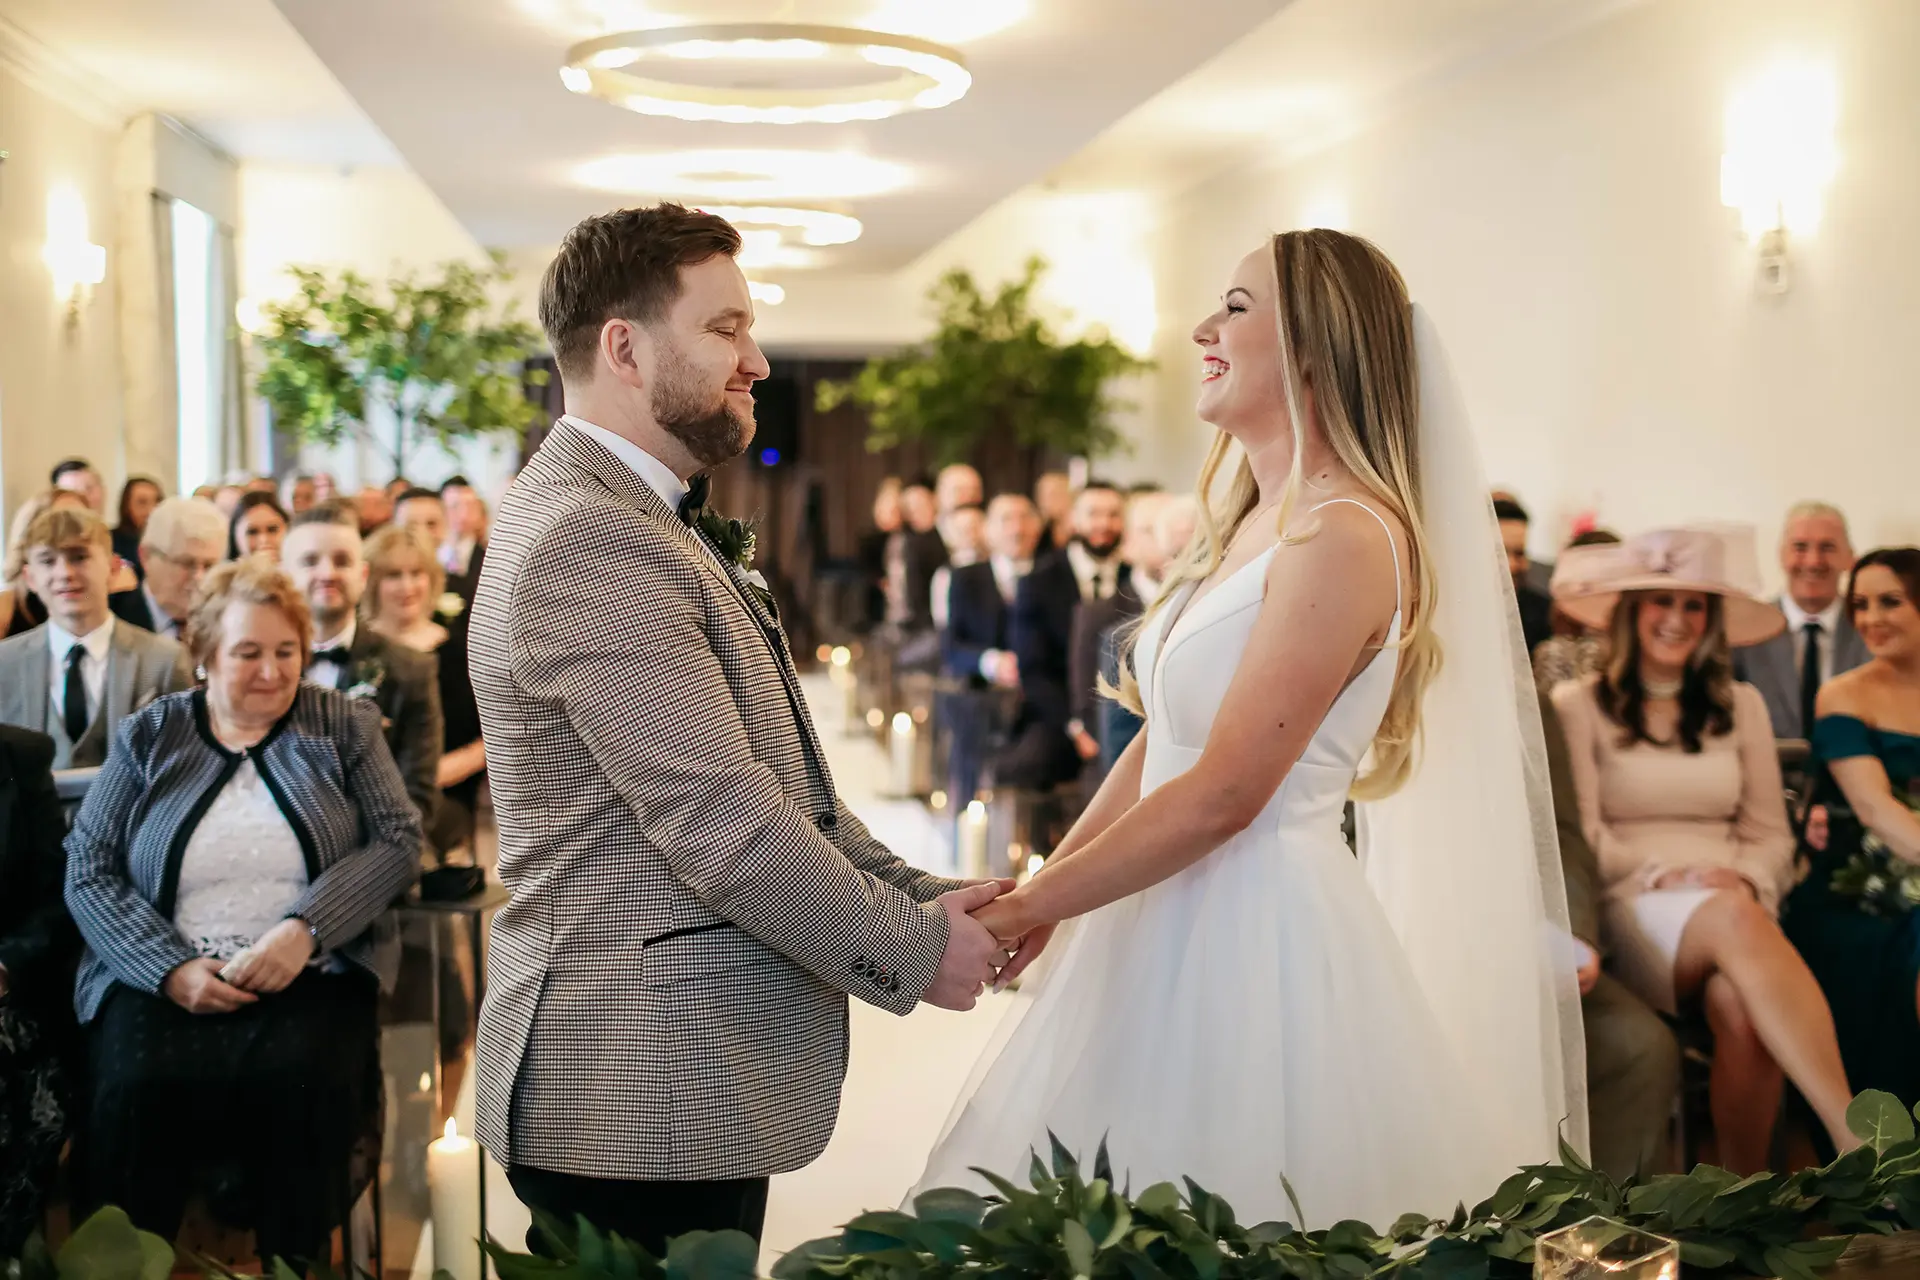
(338, 656)
(694, 502)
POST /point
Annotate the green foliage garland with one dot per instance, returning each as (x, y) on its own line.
(1072, 1227)
(438, 354)
(991, 366)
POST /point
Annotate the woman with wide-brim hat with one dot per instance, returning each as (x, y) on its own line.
(1680, 796)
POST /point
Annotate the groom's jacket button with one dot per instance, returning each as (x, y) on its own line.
(828, 821)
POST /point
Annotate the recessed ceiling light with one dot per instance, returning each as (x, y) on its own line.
(636, 70)
(765, 291)
(744, 175)
(809, 226)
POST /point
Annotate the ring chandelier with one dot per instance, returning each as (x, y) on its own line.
(633, 69)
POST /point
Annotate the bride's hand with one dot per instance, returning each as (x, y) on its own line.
(1006, 917)
(1030, 948)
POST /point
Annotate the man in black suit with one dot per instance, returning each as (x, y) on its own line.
(1045, 750)
(1816, 555)
(464, 550)
(322, 555)
(975, 646)
(39, 947)
(1536, 607)
(423, 513)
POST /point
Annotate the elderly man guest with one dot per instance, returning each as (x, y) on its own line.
(77, 675)
(226, 872)
(326, 560)
(1819, 642)
(184, 538)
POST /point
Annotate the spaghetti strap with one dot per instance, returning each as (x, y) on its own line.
(1398, 590)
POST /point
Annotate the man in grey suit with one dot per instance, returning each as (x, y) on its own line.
(1819, 642)
(75, 676)
(666, 1016)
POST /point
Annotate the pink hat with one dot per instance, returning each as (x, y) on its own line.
(1589, 581)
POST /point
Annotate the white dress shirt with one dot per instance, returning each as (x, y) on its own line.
(163, 623)
(1098, 578)
(93, 667)
(328, 673)
(658, 475)
(1797, 620)
(456, 555)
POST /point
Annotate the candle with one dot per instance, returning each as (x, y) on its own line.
(973, 841)
(902, 754)
(849, 685)
(453, 1184)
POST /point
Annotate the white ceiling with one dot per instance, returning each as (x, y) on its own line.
(232, 69)
(469, 93)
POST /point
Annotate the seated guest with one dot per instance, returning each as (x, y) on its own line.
(1867, 740)
(1140, 551)
(1045, 751)
(184, 539)
(404, 582)
(465, 549)
(423, 513)
(225, 871)
(1819, 642)
(298, 493)
(21, 610)
(1053, 496)
(958, 485)
(138, 497)
(1680, 797)
(38, 947)
(1536, 608)
(875, 551)
(1173, 526)
(1573, 650)
(374, 508)
(912, 559)
(974, 645)
(227, 498)
(1633, 1060)
(325, 487)
(965, 533)
(78, 476)
(77, 675)
(324, 557)
(258, 527)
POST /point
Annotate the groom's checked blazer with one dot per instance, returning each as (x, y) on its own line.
(691, 901)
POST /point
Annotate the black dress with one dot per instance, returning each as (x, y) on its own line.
(460, 715)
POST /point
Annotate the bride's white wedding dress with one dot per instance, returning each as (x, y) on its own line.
(1254, 1015)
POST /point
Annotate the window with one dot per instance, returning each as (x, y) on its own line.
(199, 345)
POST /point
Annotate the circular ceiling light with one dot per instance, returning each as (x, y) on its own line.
(683, 72)
(744, 176)
(767, 292)
(817, 227)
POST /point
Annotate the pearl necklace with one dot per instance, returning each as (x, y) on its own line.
(1662, 690)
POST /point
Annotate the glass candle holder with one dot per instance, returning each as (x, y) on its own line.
(1602, 1249)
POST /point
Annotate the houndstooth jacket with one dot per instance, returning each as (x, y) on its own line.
(691, 901)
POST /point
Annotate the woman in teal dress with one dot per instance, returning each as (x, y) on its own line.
(1867, 741)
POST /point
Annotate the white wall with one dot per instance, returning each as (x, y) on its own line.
(377, 222)
(59, 382)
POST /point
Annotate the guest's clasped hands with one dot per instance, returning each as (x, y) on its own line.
(270, 965)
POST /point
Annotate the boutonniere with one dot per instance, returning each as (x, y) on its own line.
(449, 605)
(736, 543)
(1882, 882)
(369, 677)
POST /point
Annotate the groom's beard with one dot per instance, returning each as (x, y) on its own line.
(712, 431)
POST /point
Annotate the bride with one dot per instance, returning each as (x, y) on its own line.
(1235, 996)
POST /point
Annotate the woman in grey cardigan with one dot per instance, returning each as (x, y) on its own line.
(226, 872)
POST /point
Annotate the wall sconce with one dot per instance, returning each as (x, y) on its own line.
(76, 263)
(1780, 158)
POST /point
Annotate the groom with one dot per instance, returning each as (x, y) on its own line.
(666, 1016)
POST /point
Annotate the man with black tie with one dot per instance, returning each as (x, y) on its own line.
(1819, 642)
(322, 555)
(78, 674)
(1045, 749)
(975, 646)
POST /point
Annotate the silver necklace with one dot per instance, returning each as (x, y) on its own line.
(1661, 690)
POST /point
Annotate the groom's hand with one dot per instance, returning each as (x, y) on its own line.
(972, 951)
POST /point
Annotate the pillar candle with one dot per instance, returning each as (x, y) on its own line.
(453, 1185)
(973, 842)
(901, 755)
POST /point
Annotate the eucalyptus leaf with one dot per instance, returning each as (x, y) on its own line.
(107, 1246)
(1079, 1247)
(1162, 1200)
(1879, 1119)
(713, 1255)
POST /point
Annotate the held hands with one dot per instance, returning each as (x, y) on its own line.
(274, 960)
(196, 987)
(973, 955)
(1022, 937)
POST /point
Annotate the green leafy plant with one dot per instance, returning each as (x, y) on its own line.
(992, 366)
(438, 355)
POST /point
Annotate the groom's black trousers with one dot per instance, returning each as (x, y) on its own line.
(647, 1213)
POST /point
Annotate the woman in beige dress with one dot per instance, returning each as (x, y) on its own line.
(1681, 798)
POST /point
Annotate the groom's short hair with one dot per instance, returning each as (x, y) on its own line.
(626, 265)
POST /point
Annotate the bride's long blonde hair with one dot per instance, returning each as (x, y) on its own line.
(1346, 332)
